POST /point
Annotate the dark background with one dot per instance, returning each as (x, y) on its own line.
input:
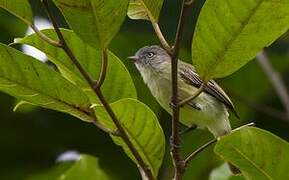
(32, 138)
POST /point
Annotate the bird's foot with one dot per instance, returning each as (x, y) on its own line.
(175, 145)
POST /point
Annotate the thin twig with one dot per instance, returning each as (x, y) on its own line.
(103, 69)
(199, 150)
(195, 95)
(175, 138)
(101, 127)
(243, 126)
(275, 79)
(161, 37)
(203, 147)
(99, 94)
(44, 37)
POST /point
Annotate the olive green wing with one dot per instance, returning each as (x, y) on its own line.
(188, 74)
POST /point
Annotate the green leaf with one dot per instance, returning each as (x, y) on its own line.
(30, 80)
(145, 9)
(142, 127)
(96, 22)
(223, 173)
(229, 33)
(19, 8)
(87, 167)
(258, 153)
(118, 83)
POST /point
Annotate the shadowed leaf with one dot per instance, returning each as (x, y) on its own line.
(145, 9)
(20, 8)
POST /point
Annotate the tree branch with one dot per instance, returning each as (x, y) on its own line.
(203, 147)
(199, 150)
(275, 79)
(175, 138)
(103, 69)
(161, 37)
(44, 37)
(99, 94)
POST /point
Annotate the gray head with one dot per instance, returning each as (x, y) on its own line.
(150, 57)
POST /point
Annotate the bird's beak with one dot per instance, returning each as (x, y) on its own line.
(134, 58)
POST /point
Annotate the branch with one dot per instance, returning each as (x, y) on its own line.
(194, 96)
(199, 150)
(161, 37)
(175, 138)
(203, 147)
(275, 79)
(44, 37)
(99, 94)
(103, 69)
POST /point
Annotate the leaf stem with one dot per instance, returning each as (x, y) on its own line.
(161, 37)
(203, 147)
(275, 79)
(99, 94)
(199, 150)
(44, 37)
(103, 69)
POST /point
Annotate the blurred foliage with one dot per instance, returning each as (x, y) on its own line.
(32, 138)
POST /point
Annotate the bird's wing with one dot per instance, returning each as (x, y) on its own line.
(189, 75)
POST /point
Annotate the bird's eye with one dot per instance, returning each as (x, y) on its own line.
(150, 55)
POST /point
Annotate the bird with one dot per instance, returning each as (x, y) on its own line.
(209, 110)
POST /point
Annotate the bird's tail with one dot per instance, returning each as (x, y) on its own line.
(221, 128)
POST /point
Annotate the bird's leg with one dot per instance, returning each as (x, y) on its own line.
(174, 144)
(187, 130)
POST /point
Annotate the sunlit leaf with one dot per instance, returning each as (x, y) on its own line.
(229, 33)
(258, 153)
(145, 9)
(20, 8)
(95, 21)
(118, 83)
(30, 80)
(143, 129)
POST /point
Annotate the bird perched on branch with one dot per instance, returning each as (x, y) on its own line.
(208, 110)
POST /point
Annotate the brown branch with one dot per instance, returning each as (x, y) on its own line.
(99, 94)
(161, 37)
(44, 37)
(194, 96)
(199, 150)
(175, 138)
(203, 147)
(103, 69)
(275, 79)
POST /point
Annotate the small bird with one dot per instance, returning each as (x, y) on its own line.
(208, 110)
